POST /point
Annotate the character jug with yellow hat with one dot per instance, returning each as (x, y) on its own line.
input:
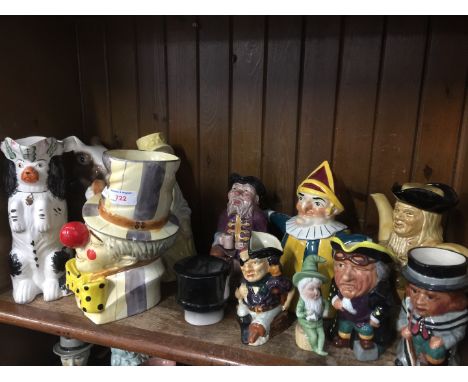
(309, 232)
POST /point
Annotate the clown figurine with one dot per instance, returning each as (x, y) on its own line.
(362, 295)
(264, 293)
(434, 314)
(309, 232)
(118, 266)
(311, 306)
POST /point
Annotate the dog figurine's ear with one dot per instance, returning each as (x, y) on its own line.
(10, 182)
(56, 177)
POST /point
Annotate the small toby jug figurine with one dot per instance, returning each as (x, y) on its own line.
(311, 306)
(36, 211)
(362, 294)
(309, 232)
(242, 216)
(264, 293)
(416, 219)
(434, 314)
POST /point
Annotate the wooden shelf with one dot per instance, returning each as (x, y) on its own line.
(162, 332)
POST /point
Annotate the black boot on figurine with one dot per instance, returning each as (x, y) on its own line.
(244, 323)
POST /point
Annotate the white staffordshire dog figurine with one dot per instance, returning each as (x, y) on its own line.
(37, 210)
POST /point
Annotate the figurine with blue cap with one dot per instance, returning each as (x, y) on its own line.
(362, 295)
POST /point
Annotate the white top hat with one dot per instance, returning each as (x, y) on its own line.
(136, 203)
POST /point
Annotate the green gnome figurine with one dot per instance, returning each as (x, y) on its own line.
(311, 306)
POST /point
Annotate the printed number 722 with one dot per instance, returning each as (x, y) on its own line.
(121, 198)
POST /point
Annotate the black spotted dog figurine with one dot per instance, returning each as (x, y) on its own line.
(34, 182)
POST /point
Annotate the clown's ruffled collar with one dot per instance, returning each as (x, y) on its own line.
(313, 232)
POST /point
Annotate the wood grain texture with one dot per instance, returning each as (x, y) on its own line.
(39, 95)
(358, 88)
(247, 94)
(162, 332)
(321, 59)
(183, 134)
(384, 98)
(121, 51)
(94, 79)
(39, 91)
(214, 51)
(397, 108)
(457, 227)
(281, 110)
(151, 59)
(442, 101)
(39, 87)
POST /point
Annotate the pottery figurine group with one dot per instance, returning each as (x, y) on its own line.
(137, 233)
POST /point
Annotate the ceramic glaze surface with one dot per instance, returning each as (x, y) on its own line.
(242, 216)
(264, 292)
(434, 314)
(362, 295)
(416, 218)
(311, 306)
(36, 211)
(309, 232)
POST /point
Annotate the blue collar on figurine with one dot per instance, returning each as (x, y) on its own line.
(313, 232)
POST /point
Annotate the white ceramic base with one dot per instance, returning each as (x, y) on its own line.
(120, 300)
(201, 319)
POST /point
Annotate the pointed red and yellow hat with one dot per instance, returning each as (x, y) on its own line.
(320, 182)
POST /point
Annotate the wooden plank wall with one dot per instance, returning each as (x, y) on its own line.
(39, 90)
(39, 95)
(382, 98)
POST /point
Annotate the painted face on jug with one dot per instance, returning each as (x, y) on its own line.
(311, 291)
(354, 280)
(31, 174)
(241, 197)
(431, 303)
(407, 220)
(94, 256)
(255, 269)
(312, 209)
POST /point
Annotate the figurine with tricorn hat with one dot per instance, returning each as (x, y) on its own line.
(264, 292)
(362, 294)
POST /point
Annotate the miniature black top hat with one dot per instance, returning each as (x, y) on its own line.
(261, 245)
(436, 269)
(432, 197)
(201, 283)
(362, 245)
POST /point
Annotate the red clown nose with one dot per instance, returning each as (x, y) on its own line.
(74, 235)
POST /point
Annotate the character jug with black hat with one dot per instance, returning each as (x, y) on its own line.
(416, 219)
